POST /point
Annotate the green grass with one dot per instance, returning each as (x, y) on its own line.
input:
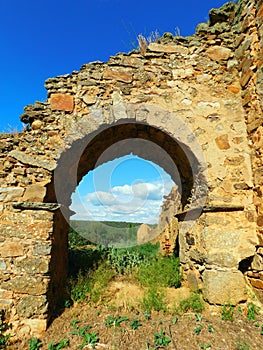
(194, 303)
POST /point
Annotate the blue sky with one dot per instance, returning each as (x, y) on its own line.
(42, 39)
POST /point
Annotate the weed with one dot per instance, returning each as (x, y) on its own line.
(135, 323)
(198, 329)
(194, 303)
(161, 272)
(147, 315)
(34, 344)
(242, 345)
(252, 311)
(175, 320)
(63, 343)
(89, 338)
(161, 340)
(227, 312)
(205, 346)
(198, 316)
(153, 299)
(3, 328)
(210, 328)
(115, 321)
(261, 330)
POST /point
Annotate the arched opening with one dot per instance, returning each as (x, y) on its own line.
(104, 145)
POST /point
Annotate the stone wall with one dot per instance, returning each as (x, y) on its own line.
(198, 99)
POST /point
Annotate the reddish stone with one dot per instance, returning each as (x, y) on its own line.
(256, 283)
(62, 102)
(117, 75)
(260, 12)
(222, 142)
(233, 89)
(11, 249)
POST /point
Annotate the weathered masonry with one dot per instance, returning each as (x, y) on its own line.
(200, 99)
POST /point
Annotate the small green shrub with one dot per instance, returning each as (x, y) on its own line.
(34, 344)
(161, 340)
(88, 338)
(252, 311)
(3, 328)
(154, 299)
(115, 321)
(63, 343)
(161, 271)
(135, 323)
(198, 329)
(194, 303)
(90, 284)
(227, 312)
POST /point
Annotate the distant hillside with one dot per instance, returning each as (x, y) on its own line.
(107, 233)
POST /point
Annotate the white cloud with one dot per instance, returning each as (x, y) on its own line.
(139, 202)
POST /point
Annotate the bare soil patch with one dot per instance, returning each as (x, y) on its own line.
(188, 331)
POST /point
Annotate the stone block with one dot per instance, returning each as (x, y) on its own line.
(218, 53)
(31, 306)
(257, 263)
(34, 193)
(33, 265)
(11, 249)
(257, 283)
(62, 102)
(222, 142)
(11, 194)
(168, 48)
(221, 287)
(118, 75)
(26, 285)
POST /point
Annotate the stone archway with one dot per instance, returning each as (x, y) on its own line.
(181, 157)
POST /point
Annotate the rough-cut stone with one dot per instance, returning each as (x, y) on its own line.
(222, 142)
(33, 265)
(218, 53)
(62, 102)
(34, 161)
(10, 194)
(32, 306)
(34, 193)
(26, 285)
(118, 75)
(11, 249)
(222, 287)
(167, 48)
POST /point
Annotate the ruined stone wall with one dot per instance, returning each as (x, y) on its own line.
(249, 53)
(199, 99)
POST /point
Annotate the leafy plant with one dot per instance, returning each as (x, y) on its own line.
(194, 303)
(135, 323)
(205, 346)
(227, 312)
(89, 338)
(210, 328)
(115, 321)
(34, 344)
(198, 329)
(161, 340)
(198, 316)
(3, 328)
(242, 345)
(161, 272)
(63, 343)
(153, 299)
(252, 311)
(261, 329)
